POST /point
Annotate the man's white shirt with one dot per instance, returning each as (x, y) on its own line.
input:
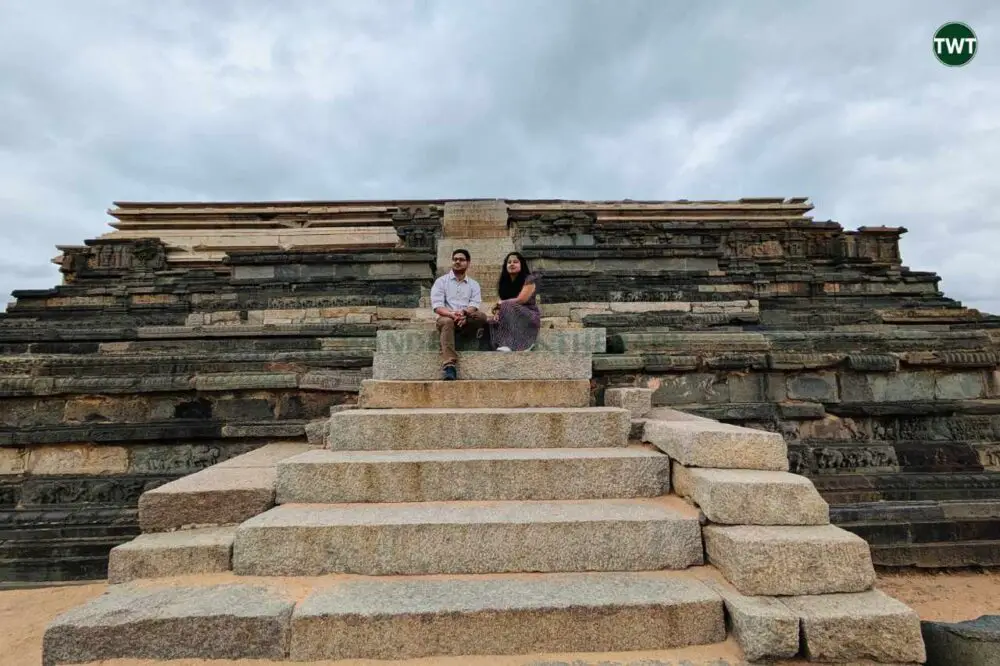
(450, 292)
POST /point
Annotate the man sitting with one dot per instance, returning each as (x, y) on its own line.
(456, 298)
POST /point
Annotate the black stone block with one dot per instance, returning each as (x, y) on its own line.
(122, 490)
(969, 643)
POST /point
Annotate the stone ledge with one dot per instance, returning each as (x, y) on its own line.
(751, 497)
(378, 394)
(536, 365)
(714, 444)
(764, 627)
(210, 497)
(790, 561)
(472, 475)
(849, 627)
(549, 340)
(205, 550)
(469, 538)
(128, 621)
(542, 613)
(478, 428)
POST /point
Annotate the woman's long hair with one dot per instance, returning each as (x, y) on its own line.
(510, 287)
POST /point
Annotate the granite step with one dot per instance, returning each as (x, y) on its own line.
(379, 394)
(469, 537)
(472, 474)
(413, 366)
(705, 443)
(459, 619)
(751, 497)
(478, 428)
(226, 493)
(765, 560)
(549, 340)
(157, 555)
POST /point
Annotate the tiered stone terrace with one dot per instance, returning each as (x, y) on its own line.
(503, 527)
(195, 333)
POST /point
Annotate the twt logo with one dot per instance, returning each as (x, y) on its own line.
(955, 44)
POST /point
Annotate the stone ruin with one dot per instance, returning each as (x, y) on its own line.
(195, 357)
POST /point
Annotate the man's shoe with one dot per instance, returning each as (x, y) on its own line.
(449, 373)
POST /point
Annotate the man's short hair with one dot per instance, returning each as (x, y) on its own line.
(468, 257)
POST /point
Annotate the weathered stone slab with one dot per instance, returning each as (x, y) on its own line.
(205, 550)
(713, 444)
(637, 400)
(618, 363)
(460, 537)
(377, 394)
(212, 496)
(478, 428)
(472, 474)
(415, 366)
(549, 340)
(334, 380)
(131, 622)
(764, 627)
(245, 380)
(679, 342)
(268, 455)
(849, 627)
(752, 497)
(778, 561)
(542, 613)
(970, 643)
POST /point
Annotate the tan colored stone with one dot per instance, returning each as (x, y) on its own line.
(763, 626)
(651, 306)
(752, 497)
(268, 455)
(359, 318)
(153, 299)
(379, 394)
(408, 617)
(198, 551)
(637, 400)
(213, 496)
(871, 625)
(788, 561)
(81, 459)
(713, 444)
(13, 461)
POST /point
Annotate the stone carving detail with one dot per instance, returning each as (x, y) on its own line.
(834, 458)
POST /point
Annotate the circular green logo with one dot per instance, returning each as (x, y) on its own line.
(955, 44)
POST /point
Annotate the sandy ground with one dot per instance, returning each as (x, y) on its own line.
(947, 596)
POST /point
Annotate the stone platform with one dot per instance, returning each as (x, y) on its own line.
(197, 332)
(392, 538)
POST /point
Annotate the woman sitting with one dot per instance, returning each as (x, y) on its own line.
(516, 318)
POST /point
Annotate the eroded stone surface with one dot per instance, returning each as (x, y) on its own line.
(713, 444)
(131, 622)
(214, 496)
(205, 550)
(849, 627)
(458, 537)
(778, 561)
(472, 474)
(752, 497)
(505, 615)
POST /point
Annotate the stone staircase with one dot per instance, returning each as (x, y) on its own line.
(502, 514)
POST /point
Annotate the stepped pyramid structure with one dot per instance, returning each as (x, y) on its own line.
(193, 345)
(497, 515)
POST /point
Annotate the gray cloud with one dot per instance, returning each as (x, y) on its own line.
(184, 100)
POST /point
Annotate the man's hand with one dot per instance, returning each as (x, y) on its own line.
(459, 318)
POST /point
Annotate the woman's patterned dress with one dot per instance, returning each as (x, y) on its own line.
(517, 324)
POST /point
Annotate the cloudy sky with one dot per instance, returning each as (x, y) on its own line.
(843, 102)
